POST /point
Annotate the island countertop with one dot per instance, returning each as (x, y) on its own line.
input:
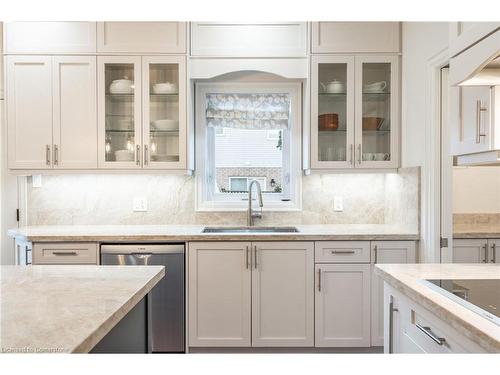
(408, 279)
(67, 309)
(100, 233)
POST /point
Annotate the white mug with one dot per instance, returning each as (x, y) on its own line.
(376, 86)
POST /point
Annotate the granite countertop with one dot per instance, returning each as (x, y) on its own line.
(61, 309)
(103, 233)
(461, 231)
(407, 278)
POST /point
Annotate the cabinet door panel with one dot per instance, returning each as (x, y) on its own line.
(332, 112)
(282, 294)
(469, 251)
(342, 305)
(119, 112)
(75, 112)
(219, 294)
(164, 112)
(377, 115)
(395, 252)
(141, 37)
(29, 111)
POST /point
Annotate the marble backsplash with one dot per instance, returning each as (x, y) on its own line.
(369, 198)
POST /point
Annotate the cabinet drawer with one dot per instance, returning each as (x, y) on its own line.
(342, 252)
(65, 253)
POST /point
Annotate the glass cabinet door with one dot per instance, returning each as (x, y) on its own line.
(376, 111)
(119, 108)
(164, 112)
(332, 110)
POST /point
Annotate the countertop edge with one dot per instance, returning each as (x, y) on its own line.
(475, 235)
(86, 345)
(479, 336)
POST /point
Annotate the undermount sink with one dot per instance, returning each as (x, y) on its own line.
(250, 230)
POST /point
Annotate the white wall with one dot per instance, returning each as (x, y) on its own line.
(421, 42)
(476, 190)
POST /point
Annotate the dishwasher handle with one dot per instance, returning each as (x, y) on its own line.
(132, 249)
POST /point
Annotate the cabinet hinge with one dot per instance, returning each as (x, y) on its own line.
(443, 242)
(18, 214)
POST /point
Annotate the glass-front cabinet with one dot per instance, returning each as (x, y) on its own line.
(354, 112)
(141, 109)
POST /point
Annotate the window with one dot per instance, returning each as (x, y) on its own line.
(261, 129)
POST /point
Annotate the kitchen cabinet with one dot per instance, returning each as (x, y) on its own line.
(465, 34)
(470, 250)
(356, 37)
(476, 250)
(395, 252)
(251, 294)
(354, 112)
(29, 102)
(342, 298)
(74, 101)
(142, 112)
(282, 294)
(50, 38)
(58, 95)
(411, 328)
(219, 293)
(230, 39)
(141, 37)
(65, 253)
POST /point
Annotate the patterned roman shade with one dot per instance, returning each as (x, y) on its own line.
(248, 111)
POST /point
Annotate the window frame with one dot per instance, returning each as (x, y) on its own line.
(204, 163)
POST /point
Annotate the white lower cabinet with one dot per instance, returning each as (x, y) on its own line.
(342, 305)
(470, 250)
(395, 252)
(282, 294)
(251, 294)
(219, 294)
(410, 328)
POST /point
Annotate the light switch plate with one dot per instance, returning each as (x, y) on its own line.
(140, 204)
(338, 204)
(36, 180)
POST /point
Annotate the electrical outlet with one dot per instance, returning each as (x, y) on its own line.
(36, 180)
(140, 204)
(338, 204)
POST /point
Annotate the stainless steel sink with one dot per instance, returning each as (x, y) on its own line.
(250, 230)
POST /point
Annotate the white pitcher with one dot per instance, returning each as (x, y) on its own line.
(333, 87)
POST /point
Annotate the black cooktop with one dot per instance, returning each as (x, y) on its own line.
(480, 293)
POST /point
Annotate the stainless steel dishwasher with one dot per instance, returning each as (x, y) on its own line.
(166, 327)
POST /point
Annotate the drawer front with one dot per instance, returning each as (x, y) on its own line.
(342, 252)
(65, 253)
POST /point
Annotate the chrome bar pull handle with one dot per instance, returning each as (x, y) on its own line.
(493, 253)
(485, 259)
(479, 109)
(47, 155)
(359, 154)
(342, 251)
(255, 256)
(319, 279)
(428, 332)
(56, 154)
(246, 254)
(392, 310)
(64, 253)
(145, 154)
(138, 155)
(375, 254)
(351, 154)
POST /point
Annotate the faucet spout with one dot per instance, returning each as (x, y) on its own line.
(250, 213)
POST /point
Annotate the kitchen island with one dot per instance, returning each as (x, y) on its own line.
(420, 317)
(68, 309)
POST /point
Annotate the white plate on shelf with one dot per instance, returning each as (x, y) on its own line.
(165, 124)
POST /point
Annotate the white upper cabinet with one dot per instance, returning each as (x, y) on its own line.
(75, 112)
(285, 39)
(29, 102)
(50, 37)
(356, 37)
(355, 111)
(141, 37)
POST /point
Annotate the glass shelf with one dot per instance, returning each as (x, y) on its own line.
(164, 95)
(119, 131)
(165, 132)
(332, 94)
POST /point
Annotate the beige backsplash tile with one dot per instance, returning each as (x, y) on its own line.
(369, 198)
